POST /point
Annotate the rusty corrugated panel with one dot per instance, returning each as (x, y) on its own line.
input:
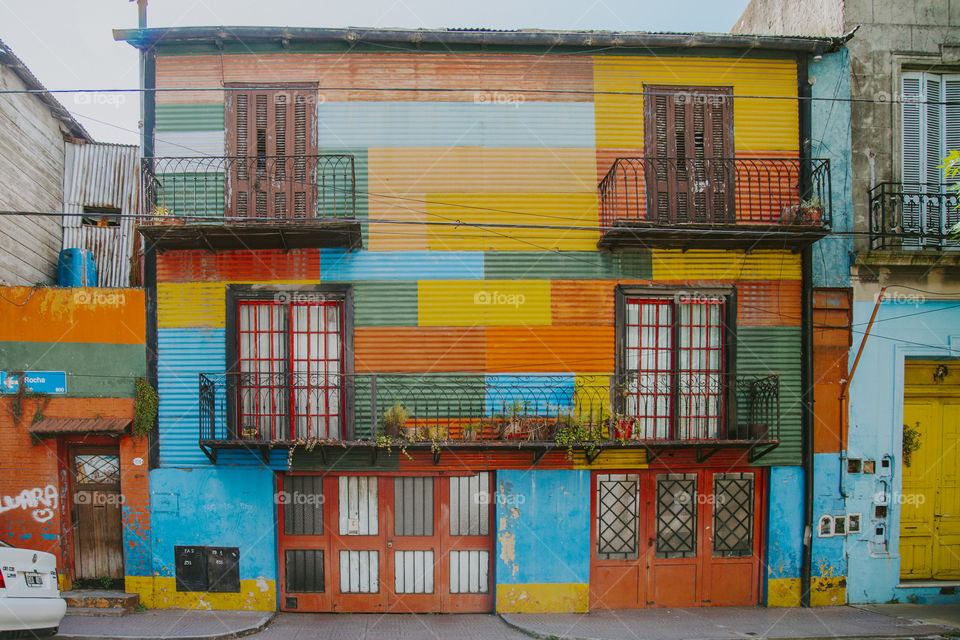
(418, 349)
(768, 303)
(832, 317)
(550, 349)
(238, 266)
(102, 176)
(581, 302)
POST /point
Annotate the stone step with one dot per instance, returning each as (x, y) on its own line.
(96, 611)
(97, 599)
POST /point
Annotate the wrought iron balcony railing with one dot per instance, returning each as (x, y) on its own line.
(276, 408)
(255, 187)
(716, 191)
(913, 216)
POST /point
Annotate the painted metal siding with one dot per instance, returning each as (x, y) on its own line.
(102, 175)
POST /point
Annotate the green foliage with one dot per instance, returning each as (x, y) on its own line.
(395, 418)
(951, 171)
(145, 408)
(911, 441)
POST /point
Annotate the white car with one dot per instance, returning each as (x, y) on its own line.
(30, 602)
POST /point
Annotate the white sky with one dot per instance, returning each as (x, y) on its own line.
(68, 44)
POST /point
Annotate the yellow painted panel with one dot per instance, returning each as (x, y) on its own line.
(158, 592)
(573, 208)
(758, 124)
(783, 592)
(674, 264)
(571, 597)
(828, 591)
(198, 304)
(615, 459)
(469, 303)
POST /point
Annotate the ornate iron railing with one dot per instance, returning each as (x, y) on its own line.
(667, 191)
(481, 408)
(913, 216)
(254, 187)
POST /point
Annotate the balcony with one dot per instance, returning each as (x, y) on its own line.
(715, 203)
(460, 411)
(265, 202)
(911, 217)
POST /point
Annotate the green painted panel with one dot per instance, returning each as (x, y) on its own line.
(192, 194)
(566, 265)
(425, 397)
(93, 370)
(777, 350)
(361, 186)
(190, 117)
(385, 304)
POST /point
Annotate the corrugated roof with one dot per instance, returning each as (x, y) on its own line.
(63, 426)
(146, 38)
(9, 59)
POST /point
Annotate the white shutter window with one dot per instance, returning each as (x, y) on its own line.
(911, 133)
(933, 145)
(951, 142)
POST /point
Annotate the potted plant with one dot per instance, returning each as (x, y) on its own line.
(394, 419)
(623, 426)
(811, 210)
(469, 431)
(250, 432)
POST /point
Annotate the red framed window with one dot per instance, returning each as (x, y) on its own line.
(290, 369)
(674, 365)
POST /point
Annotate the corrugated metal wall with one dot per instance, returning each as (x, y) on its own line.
(464, 298)
(102, 175)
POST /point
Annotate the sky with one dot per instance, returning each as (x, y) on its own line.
(68, 44)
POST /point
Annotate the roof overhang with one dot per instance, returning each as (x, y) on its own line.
(225, 236)
(286, 36)
(636, 234)
(52, 427)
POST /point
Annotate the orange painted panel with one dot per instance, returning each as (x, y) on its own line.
(418, 349)
(732, 583)
(233, 266)
(88, 315)
(458, 460)
(550, 349)
(768, 303)
(493, 75)
(582, 302)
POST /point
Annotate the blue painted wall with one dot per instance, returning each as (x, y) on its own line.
(785, 523)
(545, 515)
(218, 506)
(829, 556)
(876, 430)
(830, 138)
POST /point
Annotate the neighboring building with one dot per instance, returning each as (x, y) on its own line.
(903, 67)
(33, 130)
(412, 358)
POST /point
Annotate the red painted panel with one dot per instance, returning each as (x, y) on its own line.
(768, 303)
(238, 266)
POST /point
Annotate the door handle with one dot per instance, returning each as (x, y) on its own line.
(389, 544)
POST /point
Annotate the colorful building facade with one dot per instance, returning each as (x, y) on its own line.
(480, 322)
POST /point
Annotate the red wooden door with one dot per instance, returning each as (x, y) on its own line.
(675, 538)
(467, 538)
(413, 546)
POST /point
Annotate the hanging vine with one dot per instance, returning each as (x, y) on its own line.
(144, 408)
(17, 403)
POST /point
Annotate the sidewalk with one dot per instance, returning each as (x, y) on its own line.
(168, 624)
(723, 623)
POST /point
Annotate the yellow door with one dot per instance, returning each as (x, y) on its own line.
(930, 499)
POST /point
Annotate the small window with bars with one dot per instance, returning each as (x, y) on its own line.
(674, 366)
(290, 368)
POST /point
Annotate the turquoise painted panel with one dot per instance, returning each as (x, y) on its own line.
(455, 124)
(785, 523)
(215, 506)
(341, 264)
(175, 144)
(189, 117)
(829, 557)
(544, 526)
(543, 395)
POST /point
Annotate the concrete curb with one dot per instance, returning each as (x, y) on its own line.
(227, 635)
(534, 633)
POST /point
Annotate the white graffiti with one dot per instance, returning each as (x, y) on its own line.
(43, 502)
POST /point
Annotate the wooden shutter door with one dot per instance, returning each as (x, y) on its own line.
(689, 133)
(271, 141)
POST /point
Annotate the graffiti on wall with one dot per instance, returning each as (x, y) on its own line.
(42, 502)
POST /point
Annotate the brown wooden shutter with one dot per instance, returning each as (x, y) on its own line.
(689, 131)
(264, 179)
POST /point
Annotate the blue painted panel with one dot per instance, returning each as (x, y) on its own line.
(829, 557)
(215, 506)
(544, 530)
(785, 523)
(830, 137)
(456, 124)
(548, 394)
(340, 264)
